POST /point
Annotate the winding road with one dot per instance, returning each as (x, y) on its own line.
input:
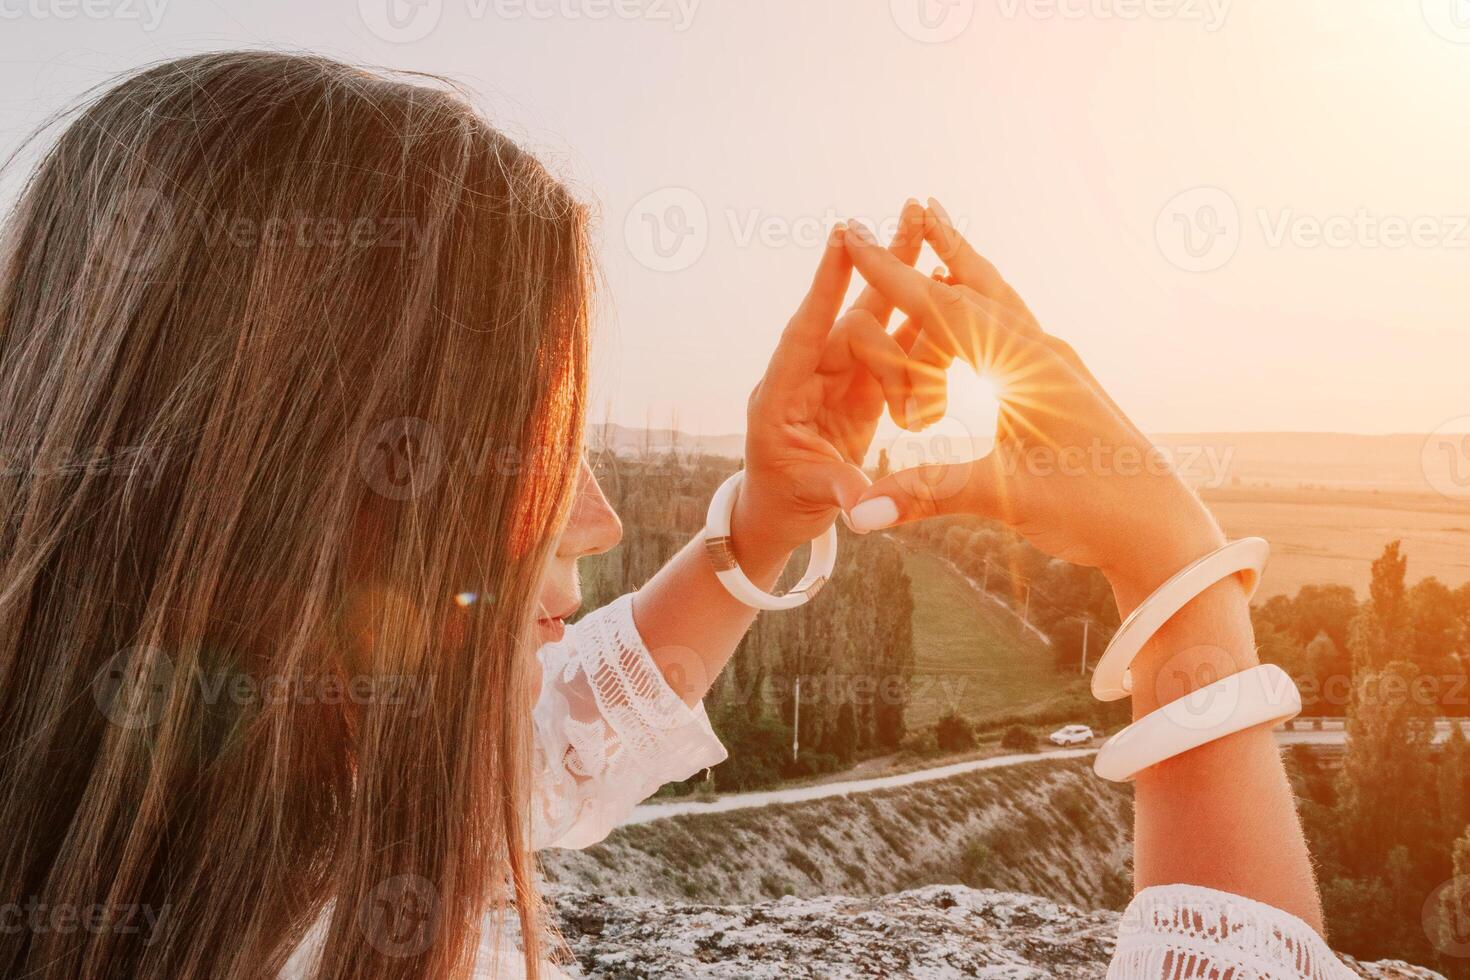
(1331, 735)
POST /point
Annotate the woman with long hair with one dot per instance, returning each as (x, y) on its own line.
(293, 358)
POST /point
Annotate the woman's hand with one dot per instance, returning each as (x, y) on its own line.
(1069, 471)
(813, 415)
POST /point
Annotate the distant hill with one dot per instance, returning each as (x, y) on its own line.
(625, 440)
(1288, 460)
(1402, 462)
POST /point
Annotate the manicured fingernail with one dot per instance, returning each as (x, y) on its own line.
(940, 213)
(835, 237)
(873, 515)
(912, 417)
(860, 231)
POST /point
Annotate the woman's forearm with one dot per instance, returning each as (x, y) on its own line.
(1223, 815)
(689, 623)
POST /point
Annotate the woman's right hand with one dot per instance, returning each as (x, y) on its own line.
(1069, 471)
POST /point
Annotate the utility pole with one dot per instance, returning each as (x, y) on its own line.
(796, 722)
(1086, 627)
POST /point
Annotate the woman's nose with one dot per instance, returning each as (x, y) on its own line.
(594, 526)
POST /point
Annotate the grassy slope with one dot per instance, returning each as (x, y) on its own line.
(1044, 828)
(973, 655)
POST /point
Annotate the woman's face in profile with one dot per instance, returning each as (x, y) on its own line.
(591, 529)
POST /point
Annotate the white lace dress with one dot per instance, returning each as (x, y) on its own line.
(610, 731)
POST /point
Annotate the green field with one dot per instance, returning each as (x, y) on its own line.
(973, 656)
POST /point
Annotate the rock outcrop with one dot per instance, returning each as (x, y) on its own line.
(941, 932)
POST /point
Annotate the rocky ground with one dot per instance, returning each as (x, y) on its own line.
(933, 933)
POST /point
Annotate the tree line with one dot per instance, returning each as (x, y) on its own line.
(807, 691)
(1391, 828)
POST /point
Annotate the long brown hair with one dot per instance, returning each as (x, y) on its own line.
(291, 355)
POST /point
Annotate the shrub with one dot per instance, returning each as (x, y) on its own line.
(774, 886)
(801, 862)
(811, 764)
(974, 860)
(1071, 802)
(759, 751)
(954, 733)
(1019, 739)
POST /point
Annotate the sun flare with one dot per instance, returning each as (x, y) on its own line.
(974, 399)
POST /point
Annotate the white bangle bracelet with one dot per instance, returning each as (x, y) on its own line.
(1246, 557)
(718, 545)
(1259, 696)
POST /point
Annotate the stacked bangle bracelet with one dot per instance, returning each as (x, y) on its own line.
(1261, 695)
(717, 544)
(1246, 557)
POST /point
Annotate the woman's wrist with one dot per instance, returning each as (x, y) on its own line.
(1179, 532)
(758, 540)
(1206, 641)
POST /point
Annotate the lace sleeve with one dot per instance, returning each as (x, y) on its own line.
(609, 730)
(1174, 932)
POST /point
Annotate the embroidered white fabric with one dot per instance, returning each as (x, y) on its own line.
(1186, 932)
(609, 730)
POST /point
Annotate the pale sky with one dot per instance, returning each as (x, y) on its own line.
(1322, 149)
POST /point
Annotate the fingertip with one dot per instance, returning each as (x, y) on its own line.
(937, 209)
(873, 514)
(858, 233)
(938, 235)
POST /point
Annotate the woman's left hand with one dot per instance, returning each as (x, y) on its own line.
(813, 415)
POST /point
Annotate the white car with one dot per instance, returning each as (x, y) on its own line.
(1071, 735)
